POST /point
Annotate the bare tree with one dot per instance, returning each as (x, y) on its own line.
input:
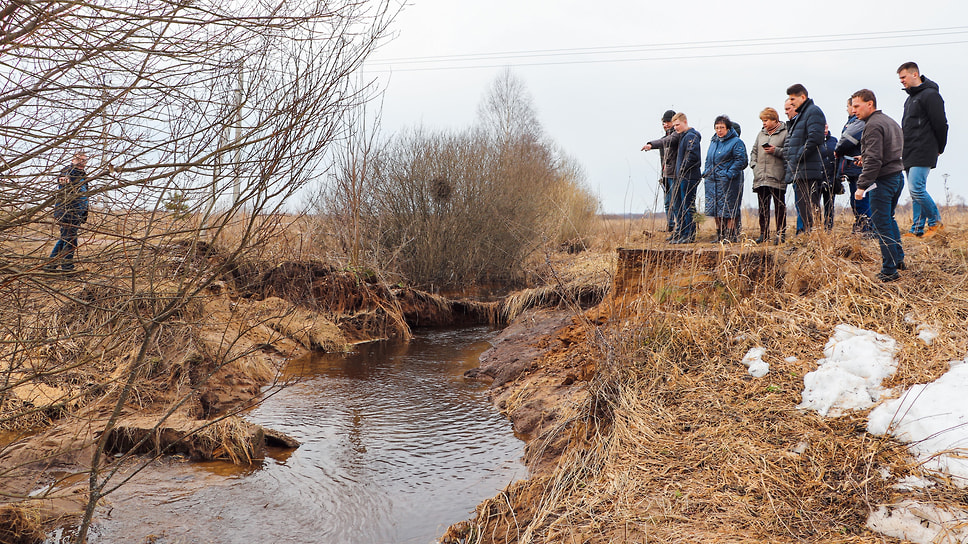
(507, 110)
(224, 108)
(444, 209)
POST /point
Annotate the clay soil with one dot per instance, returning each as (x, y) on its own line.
(643, 426)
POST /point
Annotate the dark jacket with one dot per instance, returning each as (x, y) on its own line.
(925, 125)
(668, 147)
(803, 143)
(881, 149)
(769, 170)
(688, 157)
(849, 147)
(829, 162)
(70, 205)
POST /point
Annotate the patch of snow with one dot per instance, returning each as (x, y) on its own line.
(791, 359)
(921, 523)
(753, 360)
(909, 483)
(933, 418)
(909, 318)
(849, 376)
(927, 334)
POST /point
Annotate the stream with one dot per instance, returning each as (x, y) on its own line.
(396, 446)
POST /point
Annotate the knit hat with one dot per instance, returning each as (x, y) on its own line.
(667, 116)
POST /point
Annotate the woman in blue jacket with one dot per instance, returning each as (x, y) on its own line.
(725, 162)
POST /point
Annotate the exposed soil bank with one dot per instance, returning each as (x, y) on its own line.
(217, 357)
(645, 426)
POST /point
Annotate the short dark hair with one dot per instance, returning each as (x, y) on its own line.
(723, 120)
(866, 95)
(798, 90)
(909, 66)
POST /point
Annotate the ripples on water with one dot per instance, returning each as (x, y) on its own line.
(396, 446)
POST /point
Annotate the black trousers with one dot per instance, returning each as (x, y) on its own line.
(766, 195)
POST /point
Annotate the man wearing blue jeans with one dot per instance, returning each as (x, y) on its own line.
(881, 177)
(925, 136)
(70, 212)
(688, 174)
(668, 147)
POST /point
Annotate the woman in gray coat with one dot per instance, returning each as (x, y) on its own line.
(769, 172)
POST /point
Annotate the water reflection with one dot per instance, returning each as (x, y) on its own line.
(396, 446)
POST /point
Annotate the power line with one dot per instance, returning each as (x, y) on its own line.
(454, 62)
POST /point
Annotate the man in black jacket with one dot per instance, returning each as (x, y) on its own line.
(668, 147)
(925, 135)
(70, 212)
(802, 153)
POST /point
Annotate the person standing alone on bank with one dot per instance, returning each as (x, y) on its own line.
(881, 176)
(70, 212)
(925, 136)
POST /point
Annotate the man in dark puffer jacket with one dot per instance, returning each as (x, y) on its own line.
(925, 135)
(70, 212)
(802, 153)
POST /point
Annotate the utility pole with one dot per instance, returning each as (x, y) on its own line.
(237, 170)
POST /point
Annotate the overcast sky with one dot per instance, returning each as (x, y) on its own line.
(601, 74)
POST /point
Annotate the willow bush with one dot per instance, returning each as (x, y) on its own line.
(452, 208)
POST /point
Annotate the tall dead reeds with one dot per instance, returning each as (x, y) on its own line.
(678, 443)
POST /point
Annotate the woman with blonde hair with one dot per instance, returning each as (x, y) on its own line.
(769, 173)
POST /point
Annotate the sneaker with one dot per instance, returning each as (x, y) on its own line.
(933, 230)
(888, 277)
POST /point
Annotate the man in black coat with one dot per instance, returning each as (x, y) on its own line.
(925, 135)
(801, 151)
(668, 147)
(70, 212)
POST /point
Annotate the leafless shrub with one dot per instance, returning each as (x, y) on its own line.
(230, 106)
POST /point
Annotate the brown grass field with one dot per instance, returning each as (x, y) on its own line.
(643, 424)
(673, 441)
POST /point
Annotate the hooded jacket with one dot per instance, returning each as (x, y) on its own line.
(803, 143)
(925, 125)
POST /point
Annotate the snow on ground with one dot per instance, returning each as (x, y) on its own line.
(849, 376)
(920, 522)
(933, 419)
(753, 360)
(927, 334)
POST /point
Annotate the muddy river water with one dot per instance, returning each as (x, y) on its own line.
(396, 446)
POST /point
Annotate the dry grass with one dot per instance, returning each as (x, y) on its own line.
(679, 444)
(20, 525)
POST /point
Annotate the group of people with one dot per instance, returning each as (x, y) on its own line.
(866, 162)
